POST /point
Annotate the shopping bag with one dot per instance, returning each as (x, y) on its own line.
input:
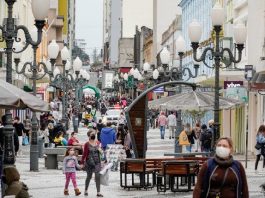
(25, 140)
(104, 178)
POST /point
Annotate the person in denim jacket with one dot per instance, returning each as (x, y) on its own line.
(261, 140)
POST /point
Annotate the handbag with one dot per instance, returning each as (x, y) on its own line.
(25, 140)
(90, 162)
(258, 146)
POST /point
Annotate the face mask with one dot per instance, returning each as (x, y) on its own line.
(92, 137)
(71, 152)
(222, 152)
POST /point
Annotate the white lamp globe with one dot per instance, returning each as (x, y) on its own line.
(195, 31)
(180, 45)
(67, 65)
(53, 49)
(65, 54)
(131, 72)
(146, 66)
(217, 15)
(125, 76)
(77, 64)
(165, 56)
(136, 73)
(122, 74)
(18, 46)
(40, 9)
(240, 33)
(56, 71)
(155, 74)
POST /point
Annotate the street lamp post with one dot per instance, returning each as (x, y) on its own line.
(61, 81)
(9, 35)
(78, 83)
(175, 74)
(217, 53)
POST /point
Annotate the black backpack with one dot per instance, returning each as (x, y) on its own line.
(207, 138)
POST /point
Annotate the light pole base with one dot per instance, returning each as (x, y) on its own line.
(34, 158)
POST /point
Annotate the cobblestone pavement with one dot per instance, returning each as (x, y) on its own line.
(50, 183)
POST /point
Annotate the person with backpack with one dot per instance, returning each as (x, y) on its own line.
(206, 139)
(260, 150)
(222, 176)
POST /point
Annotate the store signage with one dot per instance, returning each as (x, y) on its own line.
(230, 84)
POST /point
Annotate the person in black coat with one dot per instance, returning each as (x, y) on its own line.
(16, 141)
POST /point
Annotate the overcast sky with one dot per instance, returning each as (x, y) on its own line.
(89, 23)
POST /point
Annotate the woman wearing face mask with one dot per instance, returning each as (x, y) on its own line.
(222, 176)
(91, 161)
(260, 138)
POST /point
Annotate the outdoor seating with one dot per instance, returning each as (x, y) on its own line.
(51, 157)
(175, 171)
(135, 167)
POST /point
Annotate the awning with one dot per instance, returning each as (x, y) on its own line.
(125, 69)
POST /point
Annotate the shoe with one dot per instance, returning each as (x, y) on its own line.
(86, 194)
(169, 137)
(77, 192)
(66, 192)
(99, 195)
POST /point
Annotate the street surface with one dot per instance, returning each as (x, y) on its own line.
(50, 183)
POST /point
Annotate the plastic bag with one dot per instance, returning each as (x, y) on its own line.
(104, 178)
(25, 140)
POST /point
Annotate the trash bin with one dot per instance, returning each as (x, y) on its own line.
(40, 146)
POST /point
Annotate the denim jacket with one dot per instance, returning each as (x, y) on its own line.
(260, 138)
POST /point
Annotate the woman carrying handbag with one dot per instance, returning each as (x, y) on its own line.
(91, 161)
(260, 150)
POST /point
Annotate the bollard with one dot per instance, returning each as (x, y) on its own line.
(40, 146)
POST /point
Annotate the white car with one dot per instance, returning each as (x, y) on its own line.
(112, 115)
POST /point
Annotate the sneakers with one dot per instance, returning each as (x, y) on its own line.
(77, 192)
(66, 192)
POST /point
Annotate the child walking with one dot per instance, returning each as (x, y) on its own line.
(70, 165)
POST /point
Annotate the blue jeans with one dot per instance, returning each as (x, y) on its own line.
(162, 131)
(188, 148)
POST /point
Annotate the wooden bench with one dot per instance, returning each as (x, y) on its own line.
(176, 170)
(132, 167)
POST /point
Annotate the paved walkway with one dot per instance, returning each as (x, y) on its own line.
(50, 183)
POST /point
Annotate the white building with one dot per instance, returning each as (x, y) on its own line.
(164, 12)
(112, 24)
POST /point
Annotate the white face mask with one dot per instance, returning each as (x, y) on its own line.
(222, 152)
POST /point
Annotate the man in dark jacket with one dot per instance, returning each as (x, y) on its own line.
(107, 136)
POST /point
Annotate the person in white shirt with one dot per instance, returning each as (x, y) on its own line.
(172, 123)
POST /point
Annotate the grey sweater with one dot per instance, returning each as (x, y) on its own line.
(70, 164)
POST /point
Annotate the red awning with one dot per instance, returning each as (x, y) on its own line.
(125, 69)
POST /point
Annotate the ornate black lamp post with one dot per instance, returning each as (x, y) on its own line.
(9, 35)
(217, 53)
(81, 79)
(62, 82)
(175, 74)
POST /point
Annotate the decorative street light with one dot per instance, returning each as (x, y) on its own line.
(78, 83)
(61, 81)
(9, 35)
(217, 53)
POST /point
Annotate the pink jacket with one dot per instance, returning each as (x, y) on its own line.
(162, 120)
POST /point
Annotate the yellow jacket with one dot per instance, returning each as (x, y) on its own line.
(183, 139)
